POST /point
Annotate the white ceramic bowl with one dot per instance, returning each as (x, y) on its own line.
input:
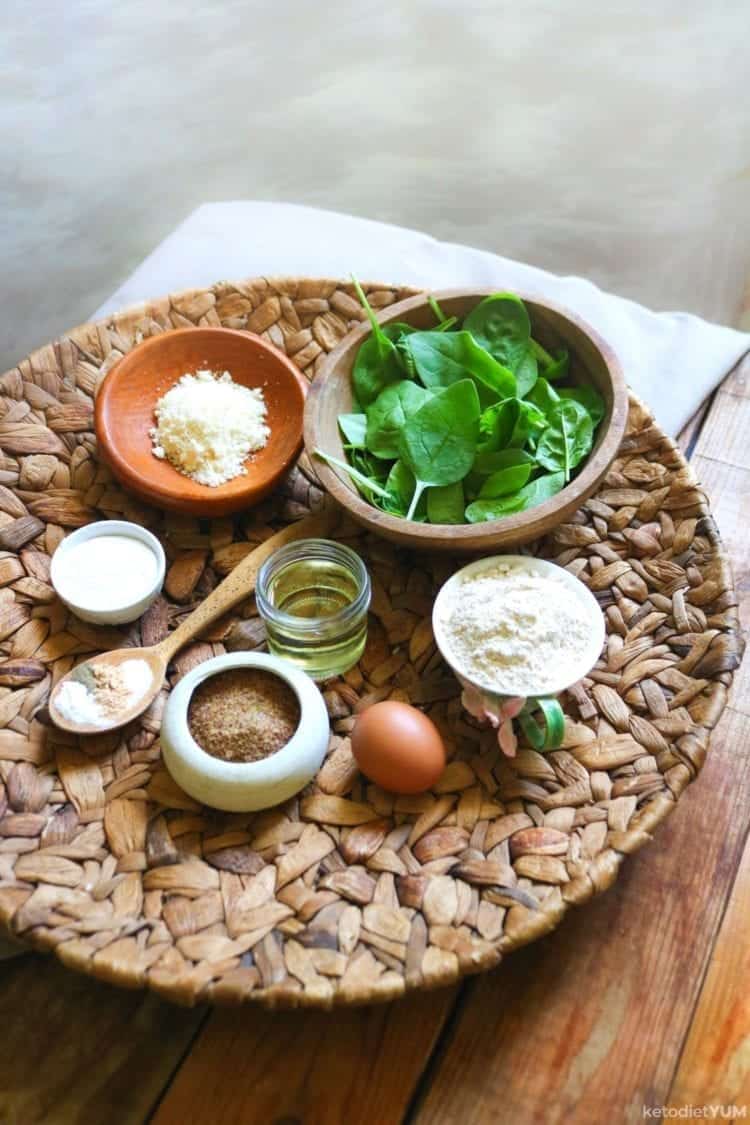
(245, 786)
(119, 612)
(569, 675)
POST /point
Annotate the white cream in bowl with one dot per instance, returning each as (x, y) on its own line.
(108, 572)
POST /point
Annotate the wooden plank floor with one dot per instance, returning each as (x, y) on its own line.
(640, 999)
(75, 1050)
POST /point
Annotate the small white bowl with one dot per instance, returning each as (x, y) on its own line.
(245, 786)
(119, 612)
(495, 692)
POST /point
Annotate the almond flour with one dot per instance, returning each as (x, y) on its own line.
(514, 631)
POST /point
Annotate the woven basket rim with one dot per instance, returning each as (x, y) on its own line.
(601, 870)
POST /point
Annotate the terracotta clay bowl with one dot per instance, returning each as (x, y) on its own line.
(125, 413)
(592, 362)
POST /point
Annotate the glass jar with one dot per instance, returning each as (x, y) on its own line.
(313, 596)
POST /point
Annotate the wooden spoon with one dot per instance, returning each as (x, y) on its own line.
(236, 586)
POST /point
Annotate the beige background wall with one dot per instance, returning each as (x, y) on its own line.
(611, 139)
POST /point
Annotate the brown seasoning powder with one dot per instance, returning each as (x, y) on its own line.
(243, 715)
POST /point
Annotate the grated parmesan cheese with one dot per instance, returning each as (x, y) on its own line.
(512, 630)
(207, 425)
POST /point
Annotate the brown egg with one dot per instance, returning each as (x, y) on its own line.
(398, 747)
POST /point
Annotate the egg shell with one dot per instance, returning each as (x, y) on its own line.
(398, 747)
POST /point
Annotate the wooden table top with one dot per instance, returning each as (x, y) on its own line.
(640, 999)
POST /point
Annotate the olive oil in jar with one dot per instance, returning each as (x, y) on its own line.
(314, 588)
(313, 596)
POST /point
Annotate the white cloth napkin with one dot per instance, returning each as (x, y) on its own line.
(672, 360)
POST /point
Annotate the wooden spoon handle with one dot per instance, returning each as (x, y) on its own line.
(241, 581)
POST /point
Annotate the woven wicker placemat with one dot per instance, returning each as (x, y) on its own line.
(347, 893)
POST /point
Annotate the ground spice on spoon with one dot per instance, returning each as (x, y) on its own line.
(98, 692)
(243, 714)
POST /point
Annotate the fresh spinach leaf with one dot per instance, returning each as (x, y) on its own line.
(496, 425)
(397, 330)
(487, 463)
(376, 367)
(359, 478)
(480, 510)
(438, 443)
(589, 399)
(472, 482)
(553, 366)
(505, 481)
(559, 367)
(368, 465)
(445, 503)
(405, 360)
(500, 323)
(527, 374)
(527, 497)
(354, 429)
(544, 395)
(567, 439)
(376, 363)
(541, 354)
(400, 486)
(442, 358)
(529, 424)
(512, 422)
(542, 488)
(387, 415)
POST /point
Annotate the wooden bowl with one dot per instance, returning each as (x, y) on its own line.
(592, 361)
(124, 415)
